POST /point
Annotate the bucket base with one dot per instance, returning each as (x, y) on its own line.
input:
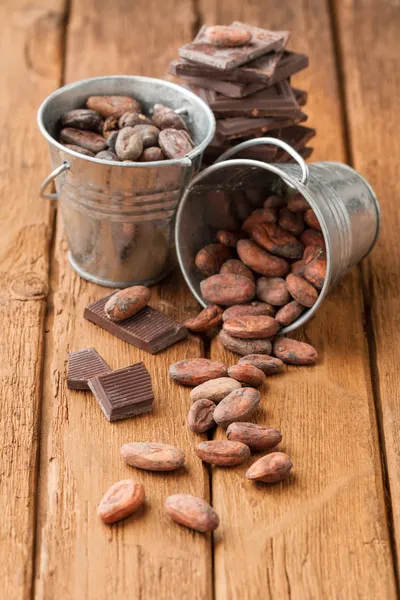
(115, 284)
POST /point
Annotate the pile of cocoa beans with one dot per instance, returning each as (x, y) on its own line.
(115, 128)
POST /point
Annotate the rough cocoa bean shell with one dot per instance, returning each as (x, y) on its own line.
(228, 289)
(127, 302)
(260, 261)
(209, 317)
(112, 140)
(107, 155)
(315, 266)
(227, 238)
(235, 266)
(130, 119)
(291, 222)
(311, 219)
(274, 201)
(297, 203)
(192, 512)
(224, 36)
(174, 143)
(194, 371)
(312, 237)
(110, 125)
(121, 500)
(260, 215)
(82, 118)
(215, 389)
(251, 327)
(289, 313)
(252, 308)
(239, 405)
(79, 149)
(277, 241)
(272, 290)
(301, 290)
(201, 415)
(166, 118)
(297, 268)
(294, 352)
(129, 144)
(223, 453)
(151, 154)
(247, 374)
(256, 437)
(270, 365)
(85, 139)
(148, 133)
(113, 106)
(152, 456)
(210, 259)
(271, 468)
(244, 347)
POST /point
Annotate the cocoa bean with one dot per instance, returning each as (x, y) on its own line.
(192, 512)
(251, 327)
(311, 220)
(224, 36)
(130, 119)
(127, 302)
(227, 289)
(244, 347)
(82, 118)
(174, 143)
(272, 290)
(253, 308)
(152, 456)
(236, 267)
(166, 118)
(148, 133)
(240, 205)
(206, 319)
(312, 237)
(215, 389)
(315, 266)
(223, 453)
(301, 290)
(112, 140)
(151, 154)
(297, 203)
(107, 155)
(271, 468)
(85, 139)
(200, 417)
(247, 374)
(261, 261)
(274, 202)
(293, 352)
(289, 313)
(227, 238)
(276, 240)
(210, 259)
(256, 437)
(268, 364)
(239, 405)
(129, 144)
(121, 500)
(297, 268)
(261, 215)
(113, 106)
(110, 125)
(291, 222)
(194, 371)
(79, 149)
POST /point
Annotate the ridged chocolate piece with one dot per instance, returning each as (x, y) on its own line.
(123, 393)
(263, 41)
(148, 330)
(238, 127)
(82, 366)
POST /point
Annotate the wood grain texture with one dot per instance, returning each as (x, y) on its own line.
(29, 72)
(323, 533)
(147, 556)
(372, 88)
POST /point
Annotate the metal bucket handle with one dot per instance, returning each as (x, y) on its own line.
(49, 179)
(272, 142)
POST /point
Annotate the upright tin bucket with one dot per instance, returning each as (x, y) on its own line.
(119, 217)
(221, 196)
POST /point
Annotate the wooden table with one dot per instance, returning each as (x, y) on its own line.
(333, 530)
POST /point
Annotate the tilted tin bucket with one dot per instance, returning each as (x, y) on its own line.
(343, 201)
(119, 217)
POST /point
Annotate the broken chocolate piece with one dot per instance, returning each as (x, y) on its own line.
(82, 366)
(238, 127)
(123, 393)
(148, 330)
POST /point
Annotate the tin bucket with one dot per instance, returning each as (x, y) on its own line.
(119, 217)
(343, 201)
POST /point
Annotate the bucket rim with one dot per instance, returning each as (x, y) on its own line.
(184, 161)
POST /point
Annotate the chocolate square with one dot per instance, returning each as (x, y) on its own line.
(82, 366)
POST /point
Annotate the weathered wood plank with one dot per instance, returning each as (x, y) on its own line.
(371, 48)
(147, 556)
(324, 533)
(30, 66)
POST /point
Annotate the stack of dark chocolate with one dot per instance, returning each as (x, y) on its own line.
(248, 88)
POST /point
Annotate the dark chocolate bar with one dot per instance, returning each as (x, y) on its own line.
(296, 136)
(82, 365)
(148, 330)
(301, 96)
(289, 64)
(239, 127)
(123, 393)
(202, 52)
(226, 88)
